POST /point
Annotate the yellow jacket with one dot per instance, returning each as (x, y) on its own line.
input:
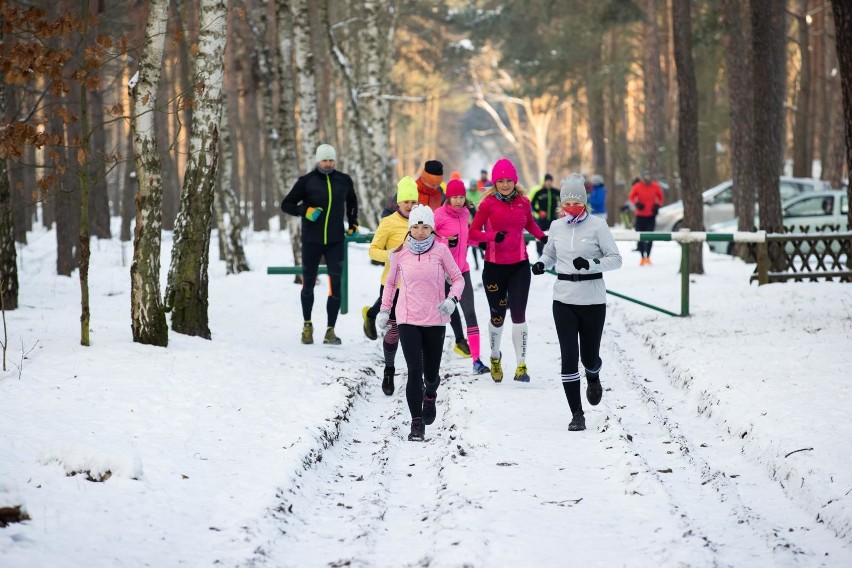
(389, 234)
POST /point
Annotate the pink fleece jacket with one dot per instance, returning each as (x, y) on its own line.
(420, 279)
(512, 217)
(452, 221)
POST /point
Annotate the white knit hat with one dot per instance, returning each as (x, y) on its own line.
(573, 188)
(421, 215)
(325, 152)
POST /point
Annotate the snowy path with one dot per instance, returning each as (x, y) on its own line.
(500, 481)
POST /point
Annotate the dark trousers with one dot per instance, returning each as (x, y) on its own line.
(544, 225)
(583, 322)
(645, 224)
(311, 255)
(507, 286)
(422, 347)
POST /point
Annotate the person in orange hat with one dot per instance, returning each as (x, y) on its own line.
(429, 185)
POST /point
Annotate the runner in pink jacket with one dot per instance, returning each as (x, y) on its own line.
(451, 227)
(419, 268)
(502, 217)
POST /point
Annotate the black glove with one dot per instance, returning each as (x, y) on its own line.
(482, 246)
(581, 263)
(353, 229)
(538, 268)
(498, 238)
(543, 240)
(453, 241)
(656, 209)
(640, 206)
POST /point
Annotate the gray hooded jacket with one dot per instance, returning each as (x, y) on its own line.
(590, 239)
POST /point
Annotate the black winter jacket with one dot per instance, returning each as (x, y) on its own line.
(334, 193)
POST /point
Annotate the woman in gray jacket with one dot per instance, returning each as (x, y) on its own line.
(581, 247)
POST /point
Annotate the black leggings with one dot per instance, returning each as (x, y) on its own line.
(585, 322)
(466, 307)
(645, 224)
(507, 286)
(422, 347)
(311, 255)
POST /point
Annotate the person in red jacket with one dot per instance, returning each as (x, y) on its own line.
(504, 213)
(429, 191)
(647, 197)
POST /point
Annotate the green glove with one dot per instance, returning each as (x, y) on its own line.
(313, 213)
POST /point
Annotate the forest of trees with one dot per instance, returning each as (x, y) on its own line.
(194, 115)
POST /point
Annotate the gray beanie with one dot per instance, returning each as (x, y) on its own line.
(325, 152)
(573, 188)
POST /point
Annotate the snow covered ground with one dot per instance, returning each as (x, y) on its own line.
(723, 439)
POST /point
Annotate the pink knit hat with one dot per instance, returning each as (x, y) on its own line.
(504, 169)
(455, 188)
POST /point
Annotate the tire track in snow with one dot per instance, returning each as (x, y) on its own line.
(718, 495)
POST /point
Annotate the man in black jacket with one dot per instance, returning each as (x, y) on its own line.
(545, 203)
(321, 198)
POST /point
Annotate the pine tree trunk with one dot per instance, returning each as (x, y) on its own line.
(148, 319)
(769, 45)
(802, 155)
(8, 253)
(597, 114)
(687, 139)
(187, 291)
(654, 92)
(99, 213)
(83, 159)
(738, 72)
(843, 25)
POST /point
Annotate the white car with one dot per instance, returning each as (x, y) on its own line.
(807, 213)
(719, 202)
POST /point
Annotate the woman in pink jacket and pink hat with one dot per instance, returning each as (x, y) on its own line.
(504, 213)
(452, 227)
(420, 267)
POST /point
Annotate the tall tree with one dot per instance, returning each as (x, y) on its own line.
(306, 80)
(8, 253)
(802, 134)
(843, 25)
(738, 72)
(654, 116)
(687, 139)
(147, 315)
(187, 290)
(769, 42)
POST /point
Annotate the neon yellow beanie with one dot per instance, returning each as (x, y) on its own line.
(406, 190)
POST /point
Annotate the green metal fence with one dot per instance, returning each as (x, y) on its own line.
(685, 237)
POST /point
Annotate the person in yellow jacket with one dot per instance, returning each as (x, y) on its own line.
(390, 233)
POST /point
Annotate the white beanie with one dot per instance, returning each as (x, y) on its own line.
(421, 214)
(325, 152)
(573, 188)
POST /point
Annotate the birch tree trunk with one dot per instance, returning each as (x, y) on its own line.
(286, 156)
(187, 289)
(148, 319)
(230, 230)
(307, 81)
(369, 121)
(8, 253)
(687, 139)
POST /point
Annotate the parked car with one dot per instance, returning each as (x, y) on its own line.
(719, 202)
(809, 212)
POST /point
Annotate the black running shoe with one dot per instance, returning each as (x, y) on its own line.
(594, 391)
(418, 430)
(387, 381)
(578, 422)
(429, 410)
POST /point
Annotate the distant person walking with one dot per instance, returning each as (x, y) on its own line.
(503, 215)
(451, 227)
(597, 197)
(545, 206)
(647, 196)
(322, 198)
(581, 247)
(390, 233)
(420, 268)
